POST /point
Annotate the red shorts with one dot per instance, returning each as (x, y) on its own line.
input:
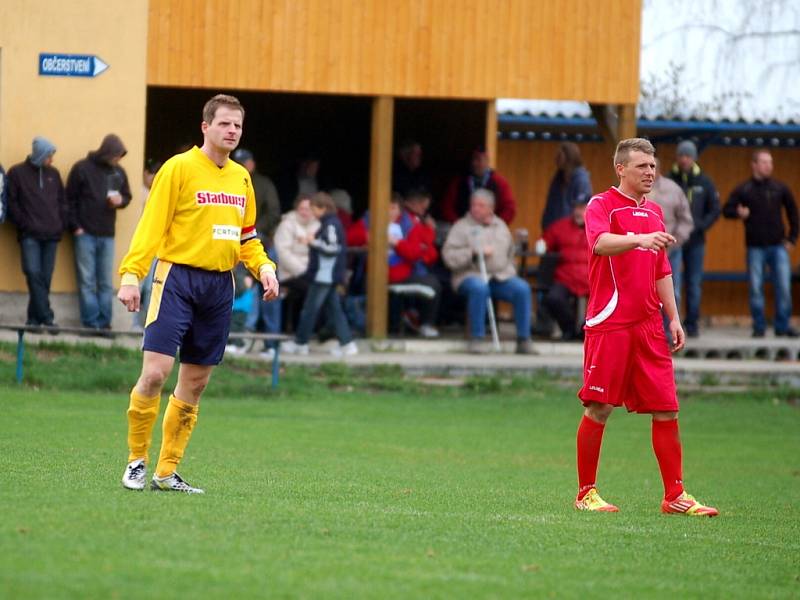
(630, 366)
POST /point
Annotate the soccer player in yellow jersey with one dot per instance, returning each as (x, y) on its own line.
(199, 222)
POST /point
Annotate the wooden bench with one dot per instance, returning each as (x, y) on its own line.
(111, 333)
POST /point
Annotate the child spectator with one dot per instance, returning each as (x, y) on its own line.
(326, 271)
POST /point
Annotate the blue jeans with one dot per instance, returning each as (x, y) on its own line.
(693, 275)
(675, 257)
(94, 260)
(513, 290)
(777, 258)
(321, 295)
(269, 313)
(38, 261)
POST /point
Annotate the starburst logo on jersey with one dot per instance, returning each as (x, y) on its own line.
(205, 198)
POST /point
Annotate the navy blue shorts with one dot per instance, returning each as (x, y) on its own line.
(190, 310)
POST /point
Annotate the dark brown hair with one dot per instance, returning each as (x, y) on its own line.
(323, 200)
(210, 108)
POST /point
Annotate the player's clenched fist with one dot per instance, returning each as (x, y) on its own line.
(270, 283)
(130, 297)
(657, 240)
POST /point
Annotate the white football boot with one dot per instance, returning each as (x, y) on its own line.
(173, 483)
(135, 475)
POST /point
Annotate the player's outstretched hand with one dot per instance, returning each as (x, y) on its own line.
(658, 240)
(678, 336)
(270, 283)
(130, 297)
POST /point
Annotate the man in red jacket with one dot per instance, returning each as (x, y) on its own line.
(455, 203)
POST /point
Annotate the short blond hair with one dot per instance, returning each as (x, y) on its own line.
(210, 108)
(625, 147)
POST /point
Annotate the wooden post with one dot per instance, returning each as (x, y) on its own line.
(607, 124)
(380, 191)
(491, 132)
(626, 121)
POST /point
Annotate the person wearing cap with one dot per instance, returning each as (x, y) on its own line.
(456, 201)
(678, 222)
(571, 278)
(704, 202)
(97, 187)
(37, 207)
(268, 215)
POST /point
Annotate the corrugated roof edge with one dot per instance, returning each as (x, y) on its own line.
(570, 109)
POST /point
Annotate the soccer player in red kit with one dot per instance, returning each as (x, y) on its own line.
(626, 357)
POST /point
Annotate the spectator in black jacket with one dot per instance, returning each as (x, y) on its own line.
(704, 202)
(36, 206)
(759, 202)
(96, 188)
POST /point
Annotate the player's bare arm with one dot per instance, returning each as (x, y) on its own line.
(666, 293)
(611, 244)
(130, 296)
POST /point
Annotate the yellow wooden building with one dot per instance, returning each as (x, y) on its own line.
(357, 75)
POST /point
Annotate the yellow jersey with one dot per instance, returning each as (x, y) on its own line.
(199, 215)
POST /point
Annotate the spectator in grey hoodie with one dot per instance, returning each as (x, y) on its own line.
(97, 187)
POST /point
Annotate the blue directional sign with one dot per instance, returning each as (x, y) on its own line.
(70, 65)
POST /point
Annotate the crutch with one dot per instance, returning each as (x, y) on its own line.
(476, 233)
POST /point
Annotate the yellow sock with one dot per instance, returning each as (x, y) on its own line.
(142, 413)
(179, 420)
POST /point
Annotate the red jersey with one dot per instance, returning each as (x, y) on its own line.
(622, 288)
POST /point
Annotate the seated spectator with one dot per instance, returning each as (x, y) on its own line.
(326, 271)
(344, 207)
(413, 253)
(244, 294)
(570, 185)
(571, 279)
(263, 315)
(292, 238)
(480, 231)
(456, 201)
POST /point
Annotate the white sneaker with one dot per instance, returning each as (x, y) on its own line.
(428, 331)
(292, 347)
(348, 349)
(234, 350)
(135, 474)
(268, 354)
(173, 483)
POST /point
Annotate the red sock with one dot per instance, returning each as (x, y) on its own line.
(667, 446)
(590, 437)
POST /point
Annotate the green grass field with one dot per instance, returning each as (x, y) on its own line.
(365, 484)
